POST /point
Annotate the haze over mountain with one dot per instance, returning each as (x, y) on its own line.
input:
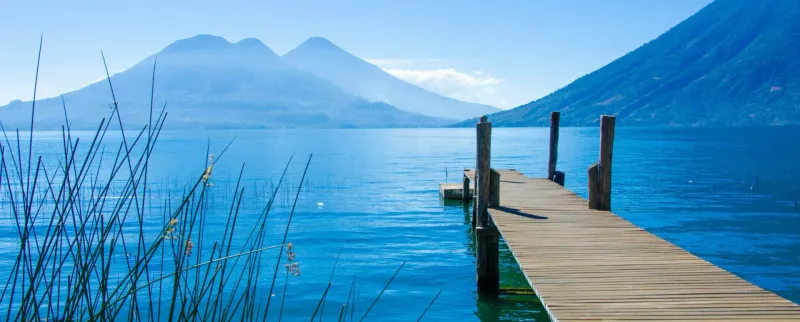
(733, 63)
(326, 60)
(209, 82)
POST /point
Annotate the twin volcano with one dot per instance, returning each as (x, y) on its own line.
(209, 82)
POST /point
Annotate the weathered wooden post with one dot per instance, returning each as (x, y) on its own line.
(487, 246)
(551, 166)
(488, 260)
(494, 189)
(594, 187)
(558, 177)
(465, 196)
(483, 169)
(475, 183)
(604, 166)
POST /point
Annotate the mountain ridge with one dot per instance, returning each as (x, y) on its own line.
(327, 60)
(210, 82)
(733, 63)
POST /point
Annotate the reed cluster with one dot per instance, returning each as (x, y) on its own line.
(85, 253)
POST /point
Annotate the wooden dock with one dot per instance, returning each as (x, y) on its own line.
(454, 191)
(587, 264)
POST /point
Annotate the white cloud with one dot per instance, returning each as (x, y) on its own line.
(432, 74)
(444, 77)
(475, 86)
(396, 62)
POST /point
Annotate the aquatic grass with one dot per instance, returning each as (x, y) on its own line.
(84, 250)
(66, 272)
(382, 291)
(330, 281)
(429, 306)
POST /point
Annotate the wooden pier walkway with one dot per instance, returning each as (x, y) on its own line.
(584, 262)
(589, 264)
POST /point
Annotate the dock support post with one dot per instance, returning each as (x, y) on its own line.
(558, 178)
(488, 261)
(494, 189)
(465, 189)
(604, 166)
(594, 187)
(551, 166)
(483, 170)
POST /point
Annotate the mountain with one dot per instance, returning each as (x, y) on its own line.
(733, 63)
(326, 60)
(209, 82)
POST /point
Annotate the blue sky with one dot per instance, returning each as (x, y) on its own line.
(503, 53)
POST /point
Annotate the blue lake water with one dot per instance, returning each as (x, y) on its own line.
(729, 196)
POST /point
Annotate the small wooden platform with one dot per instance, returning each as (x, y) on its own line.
(592, 265)
(453, 191)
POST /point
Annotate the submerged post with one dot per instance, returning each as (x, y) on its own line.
(488, 260)
(604, 166)
(475, 208)
(551, 166)
(487, 246)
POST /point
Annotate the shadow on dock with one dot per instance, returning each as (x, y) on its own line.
(515, 211)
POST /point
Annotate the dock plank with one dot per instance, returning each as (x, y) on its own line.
(591, 265)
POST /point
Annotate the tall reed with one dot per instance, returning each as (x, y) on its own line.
(84, 250)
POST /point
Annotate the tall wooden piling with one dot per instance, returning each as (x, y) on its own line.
(486, 234)
(551, 166)
(483, 168)
(475, 183)
(604, 165)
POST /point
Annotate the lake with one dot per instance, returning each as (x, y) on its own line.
(729, 196)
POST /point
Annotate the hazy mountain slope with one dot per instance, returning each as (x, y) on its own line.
(211, 83)
(324, 59)
(733, 63)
